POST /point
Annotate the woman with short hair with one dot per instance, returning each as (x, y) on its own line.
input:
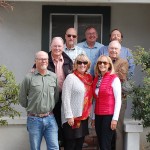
(76, 104)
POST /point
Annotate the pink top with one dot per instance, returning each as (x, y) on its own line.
(59, 70)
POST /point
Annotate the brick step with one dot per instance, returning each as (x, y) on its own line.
(90, 148)
(87, 148)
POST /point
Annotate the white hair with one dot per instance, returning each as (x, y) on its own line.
(57, 38)
(114, 42)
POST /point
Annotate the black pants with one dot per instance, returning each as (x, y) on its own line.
(113, 142)
(57, 114)
(73, 144)
(103, 131)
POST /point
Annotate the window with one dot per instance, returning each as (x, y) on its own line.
(57, 19)
(59, 23)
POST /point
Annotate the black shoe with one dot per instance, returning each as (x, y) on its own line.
(61, 143)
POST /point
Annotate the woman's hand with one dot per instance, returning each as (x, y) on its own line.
(71, 121)
(113, 124)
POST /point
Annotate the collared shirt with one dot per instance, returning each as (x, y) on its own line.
(59, 70)
(73, 52)
(121, 67)
(92, 53)
(39, 93)
(125, 54)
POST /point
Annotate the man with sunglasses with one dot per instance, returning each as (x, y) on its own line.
(91, 47)
(70, 48)
(121, 69)
(125, 53)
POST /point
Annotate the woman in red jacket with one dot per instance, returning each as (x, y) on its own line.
(107, 93)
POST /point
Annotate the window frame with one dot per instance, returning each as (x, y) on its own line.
(105, 11)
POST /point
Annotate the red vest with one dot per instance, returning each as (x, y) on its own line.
(105, 100)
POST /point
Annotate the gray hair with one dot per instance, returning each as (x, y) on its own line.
(57, 38)
(114, 41)
(40, 52)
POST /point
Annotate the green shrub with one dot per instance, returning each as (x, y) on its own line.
(8, 95)
(141, 93)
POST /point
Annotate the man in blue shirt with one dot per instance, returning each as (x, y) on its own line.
(91, 47)
(125, 52)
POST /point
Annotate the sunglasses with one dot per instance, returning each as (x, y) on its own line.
(69, 35)
(102, 62)
(80, 62)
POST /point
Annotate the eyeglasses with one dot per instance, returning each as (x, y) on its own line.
(102, 62)
(42, 59)
(113, 48)
(69, 35)
(80, 62)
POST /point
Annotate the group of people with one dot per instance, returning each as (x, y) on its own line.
(75, 81)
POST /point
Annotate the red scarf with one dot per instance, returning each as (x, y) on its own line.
(87, 80)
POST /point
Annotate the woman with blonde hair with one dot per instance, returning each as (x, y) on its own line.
(107, 93)
(76, 104)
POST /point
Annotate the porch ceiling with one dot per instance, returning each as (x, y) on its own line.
(88, 1)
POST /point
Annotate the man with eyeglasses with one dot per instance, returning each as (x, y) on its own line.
(38, 94)
(125, 53)
(70, 48)
(61, 64)
(91, 47)
(121, 69)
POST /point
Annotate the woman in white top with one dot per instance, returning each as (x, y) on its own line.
(107, 93)
(76, 104)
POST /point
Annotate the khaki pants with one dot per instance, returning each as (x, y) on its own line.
(120, 127)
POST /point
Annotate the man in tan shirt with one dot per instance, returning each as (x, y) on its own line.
(121, 68)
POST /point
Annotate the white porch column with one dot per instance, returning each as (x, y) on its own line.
(132, 135)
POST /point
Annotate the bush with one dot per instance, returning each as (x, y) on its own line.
(141, 93)
(8, 95)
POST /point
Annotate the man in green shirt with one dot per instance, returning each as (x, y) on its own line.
(39, 93)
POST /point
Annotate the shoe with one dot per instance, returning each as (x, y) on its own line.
(61, 143)
(85, 145)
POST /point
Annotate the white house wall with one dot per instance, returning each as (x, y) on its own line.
(20, 33)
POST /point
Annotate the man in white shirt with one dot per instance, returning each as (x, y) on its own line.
(70, 47)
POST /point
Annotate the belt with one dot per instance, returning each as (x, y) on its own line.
(40, 115)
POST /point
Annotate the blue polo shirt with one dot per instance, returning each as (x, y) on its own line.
(92, 53)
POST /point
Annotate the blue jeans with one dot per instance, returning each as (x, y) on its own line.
(39, 127)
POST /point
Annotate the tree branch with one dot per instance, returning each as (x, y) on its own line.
(6, 5)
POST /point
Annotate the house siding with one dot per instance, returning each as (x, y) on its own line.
(20, 37)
